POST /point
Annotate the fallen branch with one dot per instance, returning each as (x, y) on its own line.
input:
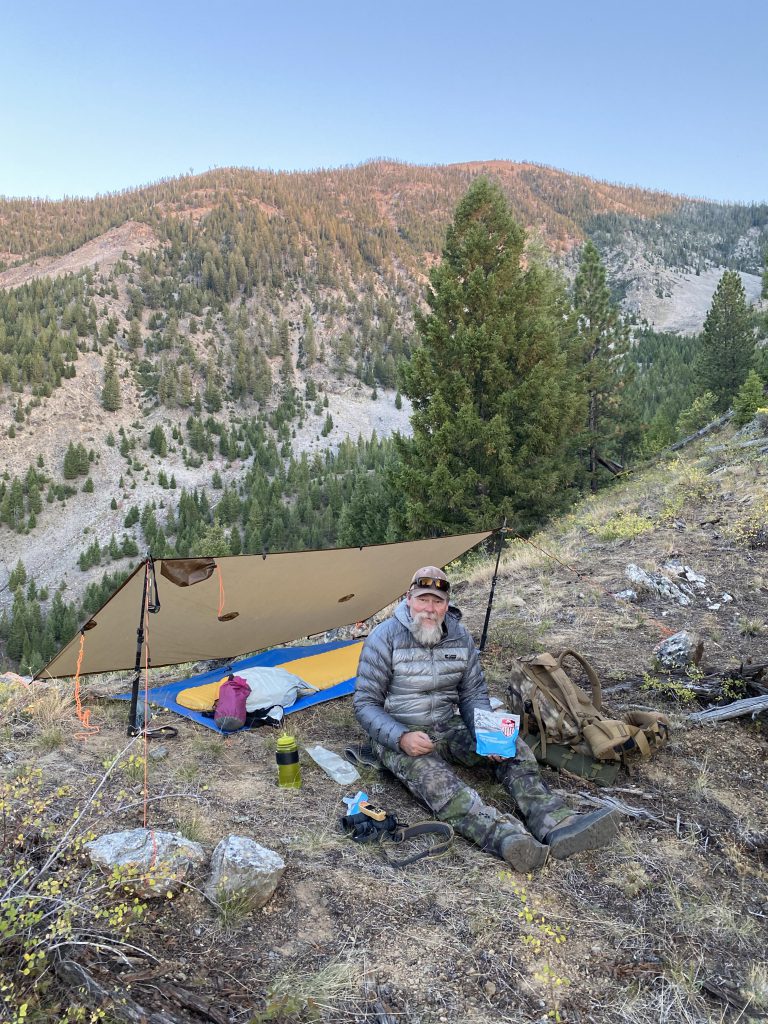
(701, 433)
(749, 706)
(121, 1006)
(627, 809)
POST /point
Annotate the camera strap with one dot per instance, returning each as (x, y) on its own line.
(364, 828)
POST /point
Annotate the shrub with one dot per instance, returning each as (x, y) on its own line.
(623, 526)
(51, 901)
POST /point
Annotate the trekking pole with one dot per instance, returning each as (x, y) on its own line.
(134, 726)
(502, 532)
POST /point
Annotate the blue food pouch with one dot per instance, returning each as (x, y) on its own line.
(496, 732)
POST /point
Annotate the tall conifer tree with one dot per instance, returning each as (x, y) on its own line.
(602, 348)
(495, 404)
(727, 342)
(110, 394)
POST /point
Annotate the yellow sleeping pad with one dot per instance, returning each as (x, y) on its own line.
(200, 698)
(327, 669)
(318, 670)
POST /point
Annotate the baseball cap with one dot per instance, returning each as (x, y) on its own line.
(429, 580)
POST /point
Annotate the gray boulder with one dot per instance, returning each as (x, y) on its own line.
(244, 872)
(678, 651)
(152, 862)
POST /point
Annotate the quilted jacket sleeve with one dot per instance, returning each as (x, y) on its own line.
(374, 674)
(473, 691)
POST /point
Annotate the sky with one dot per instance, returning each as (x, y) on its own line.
(99, 97)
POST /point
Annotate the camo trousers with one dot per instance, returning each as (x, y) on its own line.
(432, 781)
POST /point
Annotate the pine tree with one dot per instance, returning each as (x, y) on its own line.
(495, 404)
(110, 394)
(309, 343)
(727, 347)
(157, 441)
(602, 346)
(750, 398)
(134, 335)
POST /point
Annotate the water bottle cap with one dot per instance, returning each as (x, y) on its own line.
(286, 742)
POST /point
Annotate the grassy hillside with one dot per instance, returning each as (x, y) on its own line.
(666, 926)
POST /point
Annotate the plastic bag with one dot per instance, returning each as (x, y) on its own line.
(496, 732)
(334, 766)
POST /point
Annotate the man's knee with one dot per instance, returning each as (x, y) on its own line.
(428, 777)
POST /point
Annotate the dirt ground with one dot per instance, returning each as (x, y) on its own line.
(669, 924)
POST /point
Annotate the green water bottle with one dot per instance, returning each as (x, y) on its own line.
(288, 767)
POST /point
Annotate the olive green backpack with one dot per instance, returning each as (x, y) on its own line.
(568, 729)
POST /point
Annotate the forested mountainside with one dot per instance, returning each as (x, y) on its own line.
(180, 364)
(384, 210)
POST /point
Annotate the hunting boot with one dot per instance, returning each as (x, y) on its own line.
(523, 853)
(583, 832)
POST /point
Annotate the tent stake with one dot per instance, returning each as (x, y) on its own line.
(502, 531)
(150, 580)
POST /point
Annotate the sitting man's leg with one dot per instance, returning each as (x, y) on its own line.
(546, 815)
(550, 820)
(433, 782)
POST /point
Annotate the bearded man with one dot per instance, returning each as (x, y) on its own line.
(415, 670)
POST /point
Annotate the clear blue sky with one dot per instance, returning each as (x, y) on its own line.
(103, 96)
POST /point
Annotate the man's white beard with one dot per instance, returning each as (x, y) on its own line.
(426, 631)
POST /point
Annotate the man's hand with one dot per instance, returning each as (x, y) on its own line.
(414, 744)
(496, 757)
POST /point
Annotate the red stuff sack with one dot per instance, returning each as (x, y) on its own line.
(229, 713)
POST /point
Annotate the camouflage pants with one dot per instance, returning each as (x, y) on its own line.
(432, 781)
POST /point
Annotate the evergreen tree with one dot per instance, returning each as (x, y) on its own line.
(212, 396)
(727, 347)
(700, 412)
(495, 404)
(602, 346)
(134, 335)
(157, 441)
(309, 343)
(110, 394)
(750, 398)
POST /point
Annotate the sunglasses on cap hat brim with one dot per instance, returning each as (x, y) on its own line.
(432, 583)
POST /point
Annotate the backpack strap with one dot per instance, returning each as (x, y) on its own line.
(652, 724)
(594, 682)
(549, 675)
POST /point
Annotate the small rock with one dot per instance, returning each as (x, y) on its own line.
(158, 753)
(516, 602)
(490, 988)
(726, 598)
(626, 595)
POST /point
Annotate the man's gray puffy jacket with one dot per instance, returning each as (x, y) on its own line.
(404, 686)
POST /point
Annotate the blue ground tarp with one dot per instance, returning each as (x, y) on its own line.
(165, 696)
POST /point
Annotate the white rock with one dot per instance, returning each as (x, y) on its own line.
(656, 583)
(153, 862)
(241, 869)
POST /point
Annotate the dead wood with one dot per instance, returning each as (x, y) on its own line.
(737, 709)
(121, 1006)
(192, 1001)
(701, 433)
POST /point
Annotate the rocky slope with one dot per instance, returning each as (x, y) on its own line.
(664, 927)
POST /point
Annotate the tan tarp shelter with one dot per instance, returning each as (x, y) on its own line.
(228, 607)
